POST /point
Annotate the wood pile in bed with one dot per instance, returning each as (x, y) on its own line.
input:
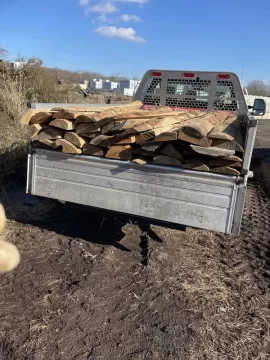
(191, 139)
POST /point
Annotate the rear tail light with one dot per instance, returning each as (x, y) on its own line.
(224, 76)
(189, 75)
(156, 73)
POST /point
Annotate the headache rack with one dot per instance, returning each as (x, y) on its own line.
(192, 89)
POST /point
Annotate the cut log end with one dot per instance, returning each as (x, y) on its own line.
(49, 133)
(171, 151)
(121, 152)
(93, 150)
(41, 118)
(212, 151)
(45, 144)
(34, 130)
(63, 124)
(102, 141)
(167, 160)
(198, 128)
(63, 114)
(75, 139)
(204, 142)
(225, 170)
(229, 145)
(67, 147)
(196, 166)
(86, 128)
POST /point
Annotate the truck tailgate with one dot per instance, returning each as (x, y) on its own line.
(197, 199)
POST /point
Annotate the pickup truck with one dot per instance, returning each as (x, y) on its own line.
(169, 194)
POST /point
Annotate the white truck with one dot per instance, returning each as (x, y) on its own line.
(198, 199)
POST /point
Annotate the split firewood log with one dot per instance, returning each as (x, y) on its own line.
(225, 170)
(167, 160)
(212, 151)
(75, 139)
(41, 118)
(196, 166)
(49, 133)
(203, 141)
(171, 151)
(93, 150)
(121, 152)
(67, 147)
(63, 124)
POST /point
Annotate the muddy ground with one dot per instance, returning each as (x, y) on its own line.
(102, 286)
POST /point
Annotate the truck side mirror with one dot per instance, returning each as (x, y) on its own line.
(259, 107)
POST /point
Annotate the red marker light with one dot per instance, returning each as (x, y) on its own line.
(224, 76)
(189, 75)
(156, 74)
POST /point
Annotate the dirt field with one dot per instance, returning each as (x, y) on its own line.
(99, 286)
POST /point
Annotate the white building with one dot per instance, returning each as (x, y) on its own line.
(128, 87)
(18, 64)
(110, 86)
(96, 84)
(129, 92)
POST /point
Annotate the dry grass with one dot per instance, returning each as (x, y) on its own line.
(17, 87)
(12, 135)
(33, 83)
(235, 313)
(13, 146)
(12, 99)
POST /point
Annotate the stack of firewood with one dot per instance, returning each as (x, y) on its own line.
(192, 139)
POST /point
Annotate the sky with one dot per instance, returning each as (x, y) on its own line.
(129, 37)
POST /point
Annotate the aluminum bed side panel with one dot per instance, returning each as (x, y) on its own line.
(195, 199)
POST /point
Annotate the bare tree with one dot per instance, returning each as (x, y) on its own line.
(259, 88)
(35, 61)
(20, 58)
(3, 53)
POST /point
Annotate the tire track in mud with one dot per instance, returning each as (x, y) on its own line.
(250, 252)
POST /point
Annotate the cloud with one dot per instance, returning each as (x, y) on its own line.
(84, 2)
(102, 18)
(106, 8)
(104, 13)
(127, 18)
(122, 33)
